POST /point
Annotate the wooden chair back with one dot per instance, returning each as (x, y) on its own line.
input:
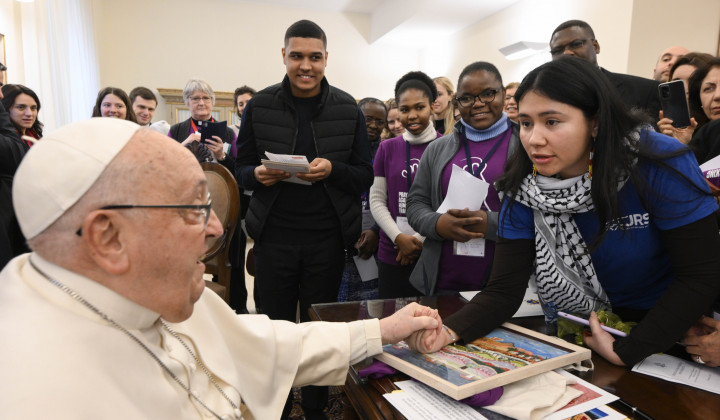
(225, 197)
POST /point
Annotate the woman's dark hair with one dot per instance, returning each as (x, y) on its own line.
(580, 84)
(129, 114)
(11, 92)
(241, 91)
(695, 59)
(479, 66)
(416, 80)
(694, 85)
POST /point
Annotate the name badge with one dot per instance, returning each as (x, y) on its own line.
(471, 248)
(404, 226)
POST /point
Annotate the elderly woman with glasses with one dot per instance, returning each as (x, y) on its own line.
(200, 98)
(459, 246)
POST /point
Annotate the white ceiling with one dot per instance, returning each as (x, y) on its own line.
(395, 22)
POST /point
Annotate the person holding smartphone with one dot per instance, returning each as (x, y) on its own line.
(682, 70)
(200, 98)
(606, 212)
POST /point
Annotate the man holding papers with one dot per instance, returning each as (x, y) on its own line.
(301, 231)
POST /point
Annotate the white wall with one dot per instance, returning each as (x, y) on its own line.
(160, 44)
(163, 43)
(532, 20)
(658, 24)
(10, 27)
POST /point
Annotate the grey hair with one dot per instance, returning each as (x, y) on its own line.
(197, 84)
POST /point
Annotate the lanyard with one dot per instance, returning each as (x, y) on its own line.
(489, 154)
(407, 164)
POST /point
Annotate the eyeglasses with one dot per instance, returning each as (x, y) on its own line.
(377, 121)
(572, 46)
(484, 97)
(196, 214)
(196, 99)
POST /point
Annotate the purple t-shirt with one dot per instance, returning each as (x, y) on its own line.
(390, 163)
(458, 272)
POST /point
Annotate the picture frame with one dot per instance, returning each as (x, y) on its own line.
(3, 58)
(508, 354)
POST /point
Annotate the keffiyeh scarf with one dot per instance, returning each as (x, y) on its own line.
(565, 274)
(566, 278)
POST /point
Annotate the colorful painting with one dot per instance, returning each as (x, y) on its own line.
(500, 351)
(507, 354)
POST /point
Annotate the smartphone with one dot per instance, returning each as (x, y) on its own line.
(211, 128)
(674, 103)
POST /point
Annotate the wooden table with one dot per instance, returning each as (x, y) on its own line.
(659, 399)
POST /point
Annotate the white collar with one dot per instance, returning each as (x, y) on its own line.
(428, 135)
(119, 308)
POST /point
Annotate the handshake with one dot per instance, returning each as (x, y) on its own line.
(421, 328)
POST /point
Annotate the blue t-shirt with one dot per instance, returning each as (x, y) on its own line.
(633, 265)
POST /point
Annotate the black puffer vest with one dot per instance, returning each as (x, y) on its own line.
(274, 122)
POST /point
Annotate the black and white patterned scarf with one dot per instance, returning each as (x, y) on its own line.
(564, 270)
(566, 278)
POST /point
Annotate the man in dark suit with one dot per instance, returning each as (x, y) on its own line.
(577, 38)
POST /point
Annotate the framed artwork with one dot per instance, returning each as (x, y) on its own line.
(3, 59)
(507, 354)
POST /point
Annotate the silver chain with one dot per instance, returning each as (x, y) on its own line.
(132, 336)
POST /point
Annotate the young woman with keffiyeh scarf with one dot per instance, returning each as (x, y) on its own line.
(608, 214)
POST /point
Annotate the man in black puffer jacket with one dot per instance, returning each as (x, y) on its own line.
(301, 231)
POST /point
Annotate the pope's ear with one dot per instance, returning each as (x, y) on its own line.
(101, 231)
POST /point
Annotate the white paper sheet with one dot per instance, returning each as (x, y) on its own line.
(673, 369)
(530, 305)
(288, 163)
(711, 164)
(420, 402)
(602, 398)
(367, 269)
(464, 190)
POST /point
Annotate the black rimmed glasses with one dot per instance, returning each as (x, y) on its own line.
(572, 46)
(196, 213)
(484, 97)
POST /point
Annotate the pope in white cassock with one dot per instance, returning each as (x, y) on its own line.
(107, 318)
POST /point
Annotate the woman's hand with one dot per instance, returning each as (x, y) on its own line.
(367, 244)
(215, 144)
(602, 341)
(409, 248)
(191, 138)
(682, 134)
(429, 341)
(465, 213)
(456, 228)
(703, 340)
(410, 319)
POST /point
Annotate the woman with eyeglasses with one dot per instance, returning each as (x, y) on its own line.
(395, 164)
(200, 98)
(607, 213)
(22, 105)
(459, 246)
